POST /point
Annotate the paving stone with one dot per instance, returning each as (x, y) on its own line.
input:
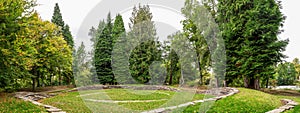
(59, 112)
(287, 104)
(48, 106)
(276, 111)
(53, 110)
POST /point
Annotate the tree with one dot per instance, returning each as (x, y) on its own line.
(31, 49)
(202, 31)
(119, 64)
(286, 74)
(143, 37)
(57, 17)
(118, 30)
(103, 54)
(64, 29)
(16, 49)
(53, 54)
(172, 64)
(68, 36)
(250, 29)
(81, 67)
(297, 67)
(95, 34)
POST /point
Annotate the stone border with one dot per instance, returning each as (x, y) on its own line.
(287, 105)
(145, 87)
(34, 97)
(161, 110)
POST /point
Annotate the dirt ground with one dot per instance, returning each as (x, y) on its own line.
(282, 92)
(49, 89)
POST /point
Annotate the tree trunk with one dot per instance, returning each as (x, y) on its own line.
(200, 71)
(59, 77)
(171, 77)
(252, 83)
(256, 83)
(246, 82)
(50, 80)
(224, 83)
(38, 81)
(267, 83)
(33, 84)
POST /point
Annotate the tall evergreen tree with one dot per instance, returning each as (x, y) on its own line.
(118, 61)
(250, 29)
(57, 17)
(65, 29)
(143, 33)
(118, 29)
(68, 36)
(95, 35)
(103, 54)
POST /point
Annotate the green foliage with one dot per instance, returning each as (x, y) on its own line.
(120, 65)
(81, 69)
(296, 63)
(171, 62)
(68, 36)
(250, 30)
(143, 35)
(204, 35)
(13, 42)
(64, 29)
(102, 54)
(195, 34)
(31, 49)
(286, 74)
(53, 56)
(95, 35)
(57, 17)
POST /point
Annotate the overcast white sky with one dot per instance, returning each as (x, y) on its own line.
(74, 13)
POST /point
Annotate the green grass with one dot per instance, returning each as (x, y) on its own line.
(71, 102)
(247, 101)
(10, 104)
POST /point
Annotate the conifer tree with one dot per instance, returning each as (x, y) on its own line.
(68, 36)
(103, 54)
(57, 17)
(64, 29)
(250, 29)
(143, 33)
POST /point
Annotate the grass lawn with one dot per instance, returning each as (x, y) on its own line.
(71, 102)
(247, 101)
(10, 104)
